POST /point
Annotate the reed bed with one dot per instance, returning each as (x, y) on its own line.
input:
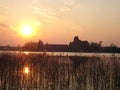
(58, 72)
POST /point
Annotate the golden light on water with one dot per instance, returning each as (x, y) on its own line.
(26, 70)
(26, 53)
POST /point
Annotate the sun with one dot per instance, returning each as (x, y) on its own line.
(27, 30)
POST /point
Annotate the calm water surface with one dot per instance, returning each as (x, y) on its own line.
(66, 53)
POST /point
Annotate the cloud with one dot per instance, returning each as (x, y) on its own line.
(2, 25)
(65, 9)
(68, 2)
(43, 11)
(68, 5)
(37, 22)
(3, 7)
(5, 27)
(45, 14)
(52, 12)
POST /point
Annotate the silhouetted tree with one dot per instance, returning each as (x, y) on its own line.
(95, 47)
(34, 46)
(30, 46)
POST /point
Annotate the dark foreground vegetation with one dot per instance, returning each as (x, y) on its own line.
(58, 72)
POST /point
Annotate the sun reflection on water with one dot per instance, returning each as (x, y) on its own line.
(26, 70)
(26, 53)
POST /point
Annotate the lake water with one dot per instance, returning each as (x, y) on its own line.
(66, 53)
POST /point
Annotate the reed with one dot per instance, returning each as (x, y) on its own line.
(58, 72)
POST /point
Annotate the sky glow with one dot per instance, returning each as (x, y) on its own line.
(58, 21)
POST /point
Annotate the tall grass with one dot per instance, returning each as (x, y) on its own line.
(59, 72)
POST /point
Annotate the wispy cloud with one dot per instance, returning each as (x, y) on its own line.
(68, 2)
(3, 7)
(67, 6)
(37, 22)
(2, 25)
(44, 13)
(48, 13)
(65, 9)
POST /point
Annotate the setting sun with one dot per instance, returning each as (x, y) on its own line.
(27, 30)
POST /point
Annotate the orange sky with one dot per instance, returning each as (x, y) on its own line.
(58, 21)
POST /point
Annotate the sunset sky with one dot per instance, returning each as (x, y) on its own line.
(58, 21)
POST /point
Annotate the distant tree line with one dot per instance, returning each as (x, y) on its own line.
(75, 46)
(33, 46)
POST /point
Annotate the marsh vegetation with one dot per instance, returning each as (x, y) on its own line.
(58, 72)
